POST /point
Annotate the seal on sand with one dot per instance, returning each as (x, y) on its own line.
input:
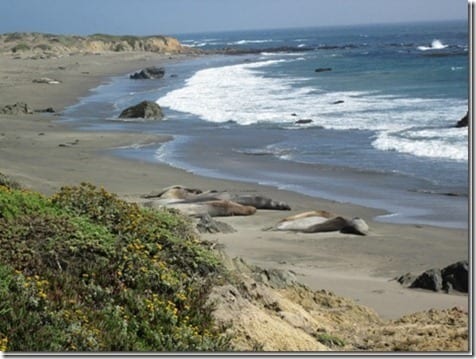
(214, 208)
(260, 202)
(318, 213)
(193, 195)
(321, 221)
(174, 192)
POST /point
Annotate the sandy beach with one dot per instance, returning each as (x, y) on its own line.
(44, 154)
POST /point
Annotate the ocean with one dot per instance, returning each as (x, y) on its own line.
(359, 114)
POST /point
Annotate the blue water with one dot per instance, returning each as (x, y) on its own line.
(379, 126)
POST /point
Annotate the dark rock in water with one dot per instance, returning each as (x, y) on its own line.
(302, 122)
(293, 114)
(444, 54)
(337, 102)
(431, 280)
(463, 122)
(455, 276)
(149, 73)
(323, 69)
(145, 109)
(19, 108)
(207, 224)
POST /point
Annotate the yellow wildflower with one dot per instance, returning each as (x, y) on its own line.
(3, 344)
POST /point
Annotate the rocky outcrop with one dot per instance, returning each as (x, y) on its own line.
(452, 277)
(149, 73)
(206, 224)
(19, 108)
(267, 309)
(455, 277)
(463, 122)
(430, 279)
(145, 109)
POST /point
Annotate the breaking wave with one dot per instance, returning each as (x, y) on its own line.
(243, 94)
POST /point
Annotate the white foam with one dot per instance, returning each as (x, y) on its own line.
(244, 42)
(436, 148)
(242, 94)
(223, 94)
(281, 54)
(435, 45)
(197, 44)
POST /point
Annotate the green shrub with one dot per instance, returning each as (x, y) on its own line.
(21, 47)
(329, 340)
(86, 271)
(15, 203)
(43, 47)
(8, 182)
(14, 36)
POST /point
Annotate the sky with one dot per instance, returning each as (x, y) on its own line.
(149, 17)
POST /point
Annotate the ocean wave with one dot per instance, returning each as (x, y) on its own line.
(422, 146)
(243, 94)
(269, 150)
(435, 45)
(244, 42)
(281, 54)
(197, 44)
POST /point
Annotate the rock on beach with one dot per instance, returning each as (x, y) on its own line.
(145, 109)
(149, 73)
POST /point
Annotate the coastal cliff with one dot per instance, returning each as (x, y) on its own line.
(50, 45)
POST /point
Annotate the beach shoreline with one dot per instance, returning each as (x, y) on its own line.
(44, 154)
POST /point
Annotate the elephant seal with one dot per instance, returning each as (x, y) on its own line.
(330, 225)
(260, 202)
(354, 226)
(321, 221)
(214, 208)
(174, 192)
(209, 196)
(318, 213)
(299, 224)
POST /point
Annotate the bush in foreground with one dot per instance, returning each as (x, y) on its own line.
(86, 271)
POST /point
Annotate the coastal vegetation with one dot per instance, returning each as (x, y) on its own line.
(85, 271)
(30, 44)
